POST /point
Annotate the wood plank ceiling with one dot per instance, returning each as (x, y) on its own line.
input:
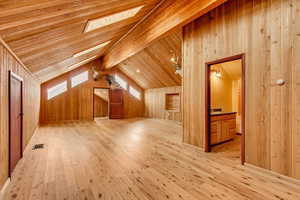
(169, 16)
(151, 67)
(46, 34)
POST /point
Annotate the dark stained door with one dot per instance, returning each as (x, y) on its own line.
(15, 121)
(116, 104)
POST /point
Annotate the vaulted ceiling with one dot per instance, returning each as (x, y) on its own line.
(51, 36)
(152, 68)
(45, 34)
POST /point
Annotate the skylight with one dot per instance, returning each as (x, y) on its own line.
(91, 49)
(135, 93)
(80, 78)
(56, 90)
(121, 82)
(111, 19)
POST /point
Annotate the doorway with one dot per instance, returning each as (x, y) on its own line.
(15, 120)
(225, 107)
(101, 103)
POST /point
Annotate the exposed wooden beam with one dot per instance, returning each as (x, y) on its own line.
(168, 16)
(44, 34)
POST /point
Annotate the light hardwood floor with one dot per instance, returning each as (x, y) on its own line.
(135, 159)
(230, 150)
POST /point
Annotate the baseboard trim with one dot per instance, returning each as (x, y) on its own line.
(272, 173)
(2, 191)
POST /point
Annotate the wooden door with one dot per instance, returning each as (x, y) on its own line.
(15, 121)
(116, 104)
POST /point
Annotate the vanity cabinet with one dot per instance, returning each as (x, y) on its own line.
(223, 127)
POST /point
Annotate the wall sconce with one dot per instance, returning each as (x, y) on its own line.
(216, 73)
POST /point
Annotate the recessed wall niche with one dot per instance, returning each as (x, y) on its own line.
(173, 101)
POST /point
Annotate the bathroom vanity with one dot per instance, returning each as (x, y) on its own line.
(222, 127)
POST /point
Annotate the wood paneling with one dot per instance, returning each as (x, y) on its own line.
(155, 103)
(31, 101)
(142, 159)
(168, 16)
(268, 33)
(100, 107)
(152, 68)
(133, 107)
(45, 34)
(221, 90)
(77, 102)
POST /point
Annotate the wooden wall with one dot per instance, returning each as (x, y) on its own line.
(31, 105)
(100, 107)
(133, 107)
(221, 92)
(153, 63)
(77, 103)
(155, 103)
(268, 32)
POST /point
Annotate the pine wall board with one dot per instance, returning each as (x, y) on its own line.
(155, 103)
(31, 105)
(76, 103)
(100, 107)
(268, 33)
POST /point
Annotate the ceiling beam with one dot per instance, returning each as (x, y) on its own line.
(168, 16)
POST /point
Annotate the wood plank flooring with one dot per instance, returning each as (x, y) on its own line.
(135, 159)
(230, 149)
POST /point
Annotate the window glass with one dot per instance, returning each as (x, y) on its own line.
(56, 90)
(121, 82)
(80, 78)
(134, 93)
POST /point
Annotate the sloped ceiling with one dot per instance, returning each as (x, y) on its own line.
(152, 68)
(102, 93)
(233, 69)
(46, 34)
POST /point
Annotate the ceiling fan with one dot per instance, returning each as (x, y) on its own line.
(99, 74)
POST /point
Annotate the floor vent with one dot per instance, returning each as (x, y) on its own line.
(38, 146)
